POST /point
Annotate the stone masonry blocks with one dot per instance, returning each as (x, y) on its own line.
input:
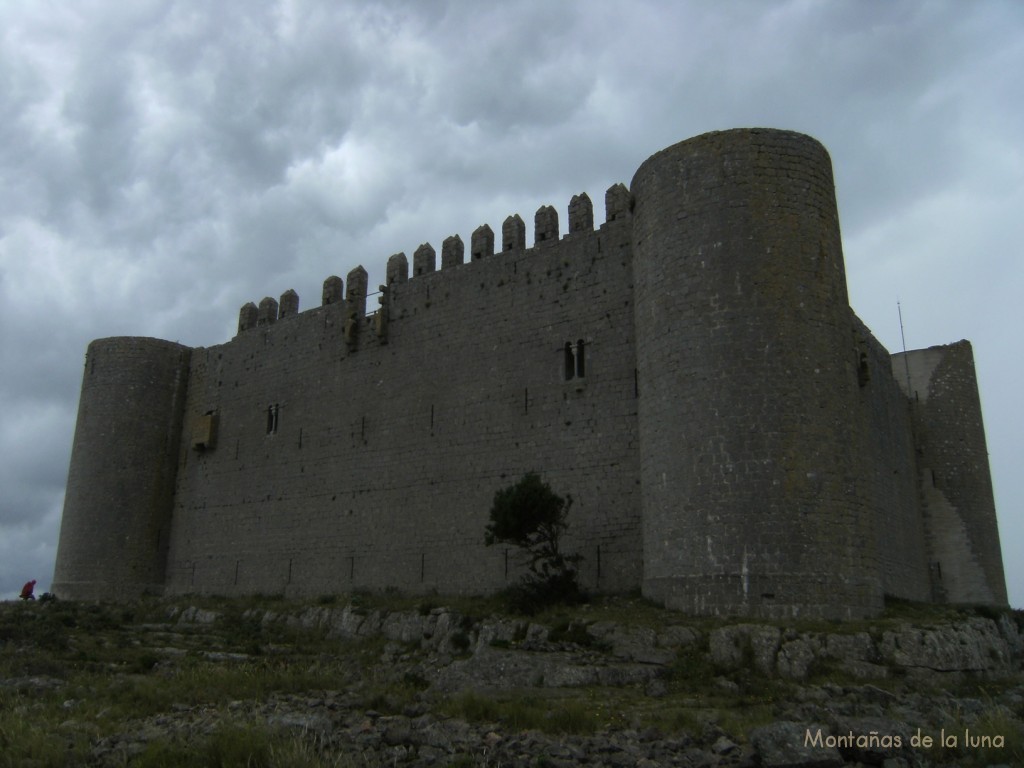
(452, 252)
(545, 227)
(482, 243)
(121, 486)
(618, 203)
(424, 260)
(289, 305)
(267, 311)
(358, 285)
(581, 214)
(513, 234)
(248, 316)
(398, 269)
(752, 512)
(963, 538)
(333, 291)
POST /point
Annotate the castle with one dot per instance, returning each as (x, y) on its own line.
(735, 439)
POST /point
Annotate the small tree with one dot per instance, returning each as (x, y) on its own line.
(531, 516)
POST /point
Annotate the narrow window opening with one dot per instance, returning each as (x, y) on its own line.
(863, 370)
(575, 359)
(205, 431)
(570, 361)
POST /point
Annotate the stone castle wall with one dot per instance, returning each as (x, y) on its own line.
(734, 438)
(385, 454)
(746, 369)
(956, 486)
(122, 477)
(886, 474)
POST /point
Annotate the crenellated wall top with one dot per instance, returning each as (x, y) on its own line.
(354, 290)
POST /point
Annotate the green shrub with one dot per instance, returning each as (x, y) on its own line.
(532, 517)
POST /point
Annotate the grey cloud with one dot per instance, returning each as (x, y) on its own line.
(162, 164)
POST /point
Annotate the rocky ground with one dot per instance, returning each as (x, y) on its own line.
(617, 684)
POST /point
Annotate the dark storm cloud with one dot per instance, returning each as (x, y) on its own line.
(163, 163)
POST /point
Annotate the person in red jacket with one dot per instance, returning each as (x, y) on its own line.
(26, 591)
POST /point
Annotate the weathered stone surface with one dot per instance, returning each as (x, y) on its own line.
(731, 646)
(347, 622)
(364, 723)
(32, 684)
(975, 645)
(501, 670)
(796, 658)
(872, 740)
(195, 615)
(857, 646)
(678, 636)
(637, 644)
(299, 721)
(408, 627)
(785, 745)
(500, 631)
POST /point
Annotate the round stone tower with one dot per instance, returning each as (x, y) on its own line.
(747, 382)
(120, 490)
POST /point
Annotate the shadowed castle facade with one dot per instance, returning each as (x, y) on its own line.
(735, 439)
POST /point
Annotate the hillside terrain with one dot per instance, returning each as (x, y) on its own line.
(386, 680)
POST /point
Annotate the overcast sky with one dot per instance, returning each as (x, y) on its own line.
(162, 163)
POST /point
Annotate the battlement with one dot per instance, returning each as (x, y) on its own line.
(618, 209)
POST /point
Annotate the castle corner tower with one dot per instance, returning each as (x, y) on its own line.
(742, 327)
(120, 492)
